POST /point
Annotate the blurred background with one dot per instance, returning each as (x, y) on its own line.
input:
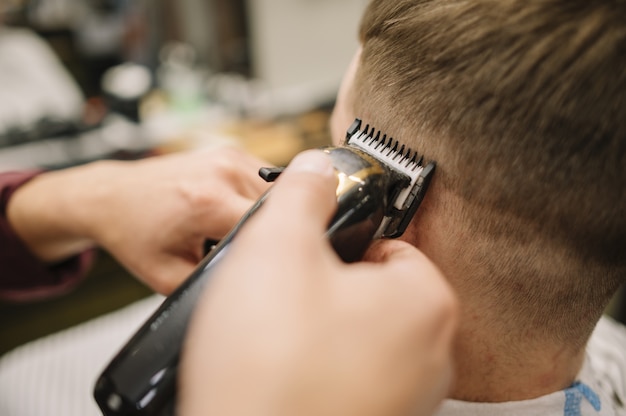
(87, 79)
(82, 80)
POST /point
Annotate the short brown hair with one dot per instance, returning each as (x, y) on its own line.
(527, 102)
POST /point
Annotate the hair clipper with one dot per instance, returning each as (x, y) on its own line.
(381, 183)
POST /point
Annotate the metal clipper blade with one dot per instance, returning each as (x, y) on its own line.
(410, 177)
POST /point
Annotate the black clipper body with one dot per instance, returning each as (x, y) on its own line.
(380, 186)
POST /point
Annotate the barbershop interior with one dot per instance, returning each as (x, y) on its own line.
(89, 80)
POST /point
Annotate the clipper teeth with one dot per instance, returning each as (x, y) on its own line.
(370, 140)
(400, 160)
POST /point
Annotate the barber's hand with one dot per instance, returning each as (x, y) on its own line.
(163, 209)
(286, 328)
(153, 215)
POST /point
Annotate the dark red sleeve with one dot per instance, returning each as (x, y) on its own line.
(22, 275)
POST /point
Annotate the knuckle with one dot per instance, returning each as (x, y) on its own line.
(164, 286)
(195, 195)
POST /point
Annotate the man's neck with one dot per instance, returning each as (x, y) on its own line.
(489, 369)
(508, 347)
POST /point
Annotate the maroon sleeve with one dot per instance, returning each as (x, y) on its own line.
(22, 275)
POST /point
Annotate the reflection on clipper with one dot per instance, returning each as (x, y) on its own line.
(114, 401)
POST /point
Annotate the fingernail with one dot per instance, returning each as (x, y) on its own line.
(314, 161)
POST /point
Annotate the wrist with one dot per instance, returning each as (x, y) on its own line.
(51, 213)
(90, 196)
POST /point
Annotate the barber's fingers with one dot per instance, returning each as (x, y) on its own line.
(217, 221)
(399, 274)
(402, 261)
(168, 272)
(289, 228)
(407, 267)
(303, 198)
(382, 251)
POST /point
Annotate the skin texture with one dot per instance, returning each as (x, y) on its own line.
(153, 215)
(293, 330)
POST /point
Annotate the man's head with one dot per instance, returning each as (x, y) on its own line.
(523, 105)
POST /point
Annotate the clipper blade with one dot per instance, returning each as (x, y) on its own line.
(406, 167)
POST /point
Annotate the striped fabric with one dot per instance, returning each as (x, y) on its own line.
(54, 376)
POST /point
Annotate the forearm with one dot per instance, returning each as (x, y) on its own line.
(49, 212)
(153, 215)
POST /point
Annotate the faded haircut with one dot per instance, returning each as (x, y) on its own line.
(523, 105)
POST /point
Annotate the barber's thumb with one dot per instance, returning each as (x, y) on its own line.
(306, 189)
(385, 251)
